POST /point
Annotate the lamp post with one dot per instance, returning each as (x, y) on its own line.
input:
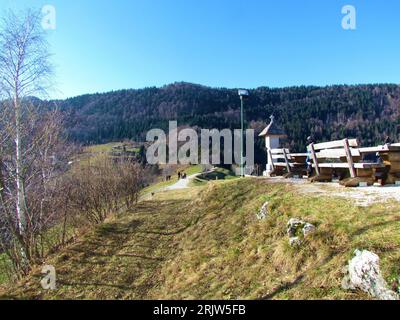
(243, 94)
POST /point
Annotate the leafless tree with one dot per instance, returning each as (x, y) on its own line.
(25, 71)
(104, 186)
(40, 190)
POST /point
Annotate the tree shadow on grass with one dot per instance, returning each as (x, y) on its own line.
(375, 225)
(285, 286)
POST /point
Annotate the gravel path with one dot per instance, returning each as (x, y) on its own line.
(362, 196)
(182, 183)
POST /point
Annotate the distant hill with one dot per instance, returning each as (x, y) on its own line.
(367, 112)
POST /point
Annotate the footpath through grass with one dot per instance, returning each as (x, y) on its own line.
(206, 243)
(189, 170)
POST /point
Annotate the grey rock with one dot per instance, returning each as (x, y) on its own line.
(363, 273)
(294, 241)
(293, 225)
(262, 214)
(296, 227)
(308, 229)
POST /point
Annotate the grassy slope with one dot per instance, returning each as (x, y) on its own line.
(107, 147)
(217, 174)
(205, 242)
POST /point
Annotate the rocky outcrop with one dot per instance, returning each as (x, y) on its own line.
(297, 230)
(363, 273)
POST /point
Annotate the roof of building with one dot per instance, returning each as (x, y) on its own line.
(272, 129)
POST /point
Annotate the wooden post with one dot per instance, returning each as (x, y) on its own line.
(349, 158)
(270, 160)
(286, 160)
(315, 159)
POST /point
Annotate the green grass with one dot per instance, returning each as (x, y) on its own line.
(206, 243)
(4, 267)
(102, 148)
(193, 169)
(158, 185)
(108, 147)
(51, 239)
(217, 174)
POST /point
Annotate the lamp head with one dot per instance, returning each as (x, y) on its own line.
(243, 93)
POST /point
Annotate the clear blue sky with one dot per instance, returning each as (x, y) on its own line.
(106, 45)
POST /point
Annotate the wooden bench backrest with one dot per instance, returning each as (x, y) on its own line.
(279, 151)
(276, 154)
(335, 149)
(335, 144)
(337, 153)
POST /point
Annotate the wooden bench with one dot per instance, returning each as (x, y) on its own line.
(341, 158)
(390, 157)
(287, 164)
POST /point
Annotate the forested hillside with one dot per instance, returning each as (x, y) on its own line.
(367, 112)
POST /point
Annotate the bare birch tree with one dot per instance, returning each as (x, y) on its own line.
(25, 72)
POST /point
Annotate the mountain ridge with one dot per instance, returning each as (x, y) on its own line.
(368, 112)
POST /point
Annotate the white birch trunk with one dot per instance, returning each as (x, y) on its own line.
(21, 218)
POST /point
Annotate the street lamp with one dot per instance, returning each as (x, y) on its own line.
(243, 94)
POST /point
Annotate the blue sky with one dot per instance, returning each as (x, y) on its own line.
(108, 45)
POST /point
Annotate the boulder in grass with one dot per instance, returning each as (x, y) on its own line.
(298, 229)
(293, 227)
(363, 273)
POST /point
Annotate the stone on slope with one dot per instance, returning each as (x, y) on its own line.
(262, 214)
(363, 273)
(297, 227)
(308, 229)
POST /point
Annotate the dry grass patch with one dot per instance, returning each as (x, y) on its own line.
(206, 243)
(231, 254)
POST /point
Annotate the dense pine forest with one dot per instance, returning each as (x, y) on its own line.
(368, 112)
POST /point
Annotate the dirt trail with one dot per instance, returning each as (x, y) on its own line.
(181, 183)
(184, 183)
(120, 259)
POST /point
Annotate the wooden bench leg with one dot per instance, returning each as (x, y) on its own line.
(357, 182)
(364, 177)
(392, 178)
(349, 158)
(296, 173)
(325, 175)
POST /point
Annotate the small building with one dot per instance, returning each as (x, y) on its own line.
(273, 134)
